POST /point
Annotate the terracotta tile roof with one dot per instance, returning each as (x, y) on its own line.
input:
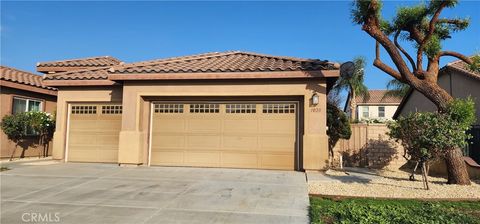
(378, 97)
(22, 77)
(82, 74)
(232, 61)
(101, 61)
(463, 68)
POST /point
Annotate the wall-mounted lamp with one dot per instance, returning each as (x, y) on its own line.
(315, 99)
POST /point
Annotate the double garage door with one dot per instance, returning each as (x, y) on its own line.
(239, 135)
(233, 134)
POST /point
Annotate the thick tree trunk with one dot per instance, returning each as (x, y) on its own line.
(434, 93)
(456, 167)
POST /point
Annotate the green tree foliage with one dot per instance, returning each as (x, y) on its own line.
(430, 135)
(14, 126)
(35, 124)
(416, 18)
(353, 84)
(338, 126)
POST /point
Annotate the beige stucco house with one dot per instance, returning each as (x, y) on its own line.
(378, 106)
(22, 91)
(231, 109)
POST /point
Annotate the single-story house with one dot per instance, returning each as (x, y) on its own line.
(378, 106)
(230, 109)
(23, 91)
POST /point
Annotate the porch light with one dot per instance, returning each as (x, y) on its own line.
(315, 99)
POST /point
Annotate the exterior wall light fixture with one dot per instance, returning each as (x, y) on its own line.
(315, 99)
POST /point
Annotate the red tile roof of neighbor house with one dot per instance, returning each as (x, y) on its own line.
(101, 61)
(462, 67)
(231, 61)
(22, 77)
(377, 97)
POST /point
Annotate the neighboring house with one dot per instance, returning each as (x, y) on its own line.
(459, 82)
(230, 109)
(376, 107)
(21, 92)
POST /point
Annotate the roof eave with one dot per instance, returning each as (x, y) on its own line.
(225, 75)
(88, 82)
(30, 88)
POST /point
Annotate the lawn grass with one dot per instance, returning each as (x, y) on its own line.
(392, 211)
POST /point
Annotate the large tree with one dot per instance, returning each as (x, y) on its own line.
(423, 26)
(353, 84)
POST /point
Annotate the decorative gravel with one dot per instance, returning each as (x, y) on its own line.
(390, 184)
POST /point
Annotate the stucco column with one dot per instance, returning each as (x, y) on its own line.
(131, 138)
(315, 139)
(59, 136)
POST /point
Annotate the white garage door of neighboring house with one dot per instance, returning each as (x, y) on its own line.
(239, 135)
(93, 132)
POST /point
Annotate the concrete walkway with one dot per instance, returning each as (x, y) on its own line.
(100, 193)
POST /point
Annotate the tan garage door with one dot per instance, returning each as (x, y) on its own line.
(240, 135)
(93, 132)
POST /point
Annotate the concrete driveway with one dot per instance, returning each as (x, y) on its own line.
(99, 193)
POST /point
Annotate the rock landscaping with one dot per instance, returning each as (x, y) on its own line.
(387, 184)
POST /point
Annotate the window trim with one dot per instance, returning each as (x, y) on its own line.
(27, 99)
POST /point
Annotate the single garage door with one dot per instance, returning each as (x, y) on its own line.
(93, 132)
(239, 135)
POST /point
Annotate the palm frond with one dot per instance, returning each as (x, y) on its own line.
(395, 88)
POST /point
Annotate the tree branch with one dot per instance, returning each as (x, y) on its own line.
(431, 30)
(404, 51)
(462, 57)
(384, 67)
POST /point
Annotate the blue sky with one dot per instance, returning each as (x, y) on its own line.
(136, 31)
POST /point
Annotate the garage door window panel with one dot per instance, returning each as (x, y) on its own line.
(204, 108)
(168, 108)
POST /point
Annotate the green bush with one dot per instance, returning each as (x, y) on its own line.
(429, 135)
(35, 124)
(15, 126)
(338, 125)
(392, 211)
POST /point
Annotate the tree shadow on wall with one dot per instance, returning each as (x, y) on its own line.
(377, 154)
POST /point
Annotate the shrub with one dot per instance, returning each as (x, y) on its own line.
(338, 126)
(429, 135)
(18, 127)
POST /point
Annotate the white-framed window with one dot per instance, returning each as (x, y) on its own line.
(365, 111)
(25, 105)
(381, 111)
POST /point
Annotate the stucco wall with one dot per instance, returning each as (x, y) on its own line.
(135, 97)
(132, 144)
(373, 112)
(458, 85)
(7, 94)
(78, 94)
